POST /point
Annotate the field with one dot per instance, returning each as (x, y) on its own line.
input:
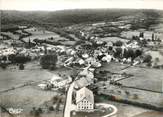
(113, 39)
(13, 77)
(150, 114)
(11, 35)
(28, 96)
(147, 34)
(125, 110)
(90, 114)
(113, 67)
(144, 79)
(150, 79)
(145, 83)
(156, 54)
(42, 35)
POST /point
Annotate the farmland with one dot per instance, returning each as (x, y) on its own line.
(29, 96)
(120, 52)
(152, 78)
(113, 39)
(156, 55)
(144, 83)
(42, 35)
(26, 97)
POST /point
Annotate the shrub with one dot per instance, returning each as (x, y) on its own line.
(51, 108)
(135, 96)
(118, 52)
(21, 67)
(127, 93)
(147, 58)
(36, 112)
(118, 43)
(40, 110)
(48, 61)
(138, 53)
(3, 65)
(19, 59)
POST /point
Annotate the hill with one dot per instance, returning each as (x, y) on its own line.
(71, 17)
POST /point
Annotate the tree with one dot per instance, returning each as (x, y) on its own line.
(147, 58)
(48, 61)
(149, 64)
(29, 42)
(127, 93)
(138, 53)
(135, 96)
(21, 67)
(19, 59)
(135, 37)
(129, 53)
(3, 65)
(4, 58)
(141, 35)
(153, 36)
(157, 59)
(118, 52)
(118, 43)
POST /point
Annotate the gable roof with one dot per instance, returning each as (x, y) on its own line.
(84, 93)
(83, 82)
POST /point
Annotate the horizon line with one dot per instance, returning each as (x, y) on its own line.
(80, 9)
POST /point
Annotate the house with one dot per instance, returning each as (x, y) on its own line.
(84, 99)
(43, 86)
(59, 82)
(83, 82)
(85, 78)
(22, 27)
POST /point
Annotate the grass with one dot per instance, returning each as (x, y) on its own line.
(156, 54)
(43, 37)
(13, 77)
(28, 96)
(47, 35)
(125, 110)
(97, 113)
(150, 114)
(112, 67)
(144, 78)
(11, 35)
(113, 39)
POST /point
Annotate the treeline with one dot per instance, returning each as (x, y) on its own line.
(70, 17)
(38, 41)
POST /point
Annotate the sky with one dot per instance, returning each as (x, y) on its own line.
(53, 5)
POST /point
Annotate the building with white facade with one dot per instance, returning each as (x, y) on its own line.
(84, 99)
(60, 82)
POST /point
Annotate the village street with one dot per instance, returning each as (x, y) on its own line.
(69, 106)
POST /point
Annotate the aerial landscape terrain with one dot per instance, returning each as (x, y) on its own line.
(81, 63)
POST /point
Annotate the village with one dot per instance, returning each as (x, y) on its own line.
(101, 61)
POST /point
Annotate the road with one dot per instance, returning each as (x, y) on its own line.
(69, 106)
